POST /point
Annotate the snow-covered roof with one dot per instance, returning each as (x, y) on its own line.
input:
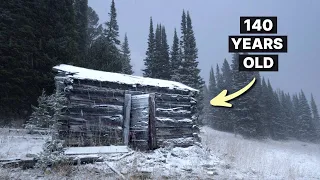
(83, 73)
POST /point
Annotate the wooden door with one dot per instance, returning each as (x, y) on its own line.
(142, 132)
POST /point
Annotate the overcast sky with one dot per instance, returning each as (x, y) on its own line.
(214, 21)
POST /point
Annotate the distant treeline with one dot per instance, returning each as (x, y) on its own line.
(262, 112)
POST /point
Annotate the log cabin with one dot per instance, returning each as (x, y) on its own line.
(107, 108)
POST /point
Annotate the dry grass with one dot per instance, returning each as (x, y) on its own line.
(264, 159)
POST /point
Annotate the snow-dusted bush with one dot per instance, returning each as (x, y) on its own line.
(48, 111)
(47, 115)
(52, 155)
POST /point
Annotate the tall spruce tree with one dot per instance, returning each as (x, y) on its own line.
(175, 57)
(212, 91)
(306, 129)
(112, 27)
(147, 72)
(266, 106)
(226, 84)
(28, 51)
(94, 28)
(244, 120)
(296, 113)
(111, 59)
(81, 19)
(189, 71)
(165, 58)
(315, 117)
(126, 59)
(314, 109)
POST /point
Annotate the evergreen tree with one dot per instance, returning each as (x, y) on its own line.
(306, 129)
(244, 120)
(165, 58)
(287, 114)
(266, 106)
(315, 117)
(226, 84)
(314, 109)
(278, 122)
(94, 28)
(296, 114)
(175, 57)
(112, 28)
(81, 17)
(190, 74)
(150, 52)
(212, 92)
(126, 66)
(189, 71)
(108, 57)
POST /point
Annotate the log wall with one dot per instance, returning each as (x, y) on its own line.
(96, 113)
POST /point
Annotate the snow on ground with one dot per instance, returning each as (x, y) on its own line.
(223, 156)
(265, 159)
(17, 144)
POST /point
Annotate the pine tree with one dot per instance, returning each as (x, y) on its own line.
(175, 57)
(212, 92)
(189, 71)
(94, 28)
(244, 120)
(150, 52)
(81, 18)
(126, 66)
(165, 58)
(296, 114)
(226, 83)
(278, 122)
(109, 57)
(112, 28)
(266, 106)
(314, 109)
(315, 116)
(306, 129)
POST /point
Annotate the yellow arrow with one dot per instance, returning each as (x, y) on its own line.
(222, 98)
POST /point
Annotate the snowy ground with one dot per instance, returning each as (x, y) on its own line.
(17, 144)
(223, 156)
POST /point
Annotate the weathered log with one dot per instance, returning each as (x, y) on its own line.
(173, 136)
(105, 109)
(176, 142)
(174, 131)
(152, 122)
(173, 112)
(173, 97)
(165, 104)
(93, 99)
(88, 89)
(169, 122)
(126, 122)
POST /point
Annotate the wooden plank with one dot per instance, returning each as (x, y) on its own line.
(96, 150)
(170, 122)
(93, 99)
(177, 142)
(182, 105)
(85, 89)
(173, 97)
(126, 123)
(173, 112)
(152, 119)
(174, 131)
(105, 109)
